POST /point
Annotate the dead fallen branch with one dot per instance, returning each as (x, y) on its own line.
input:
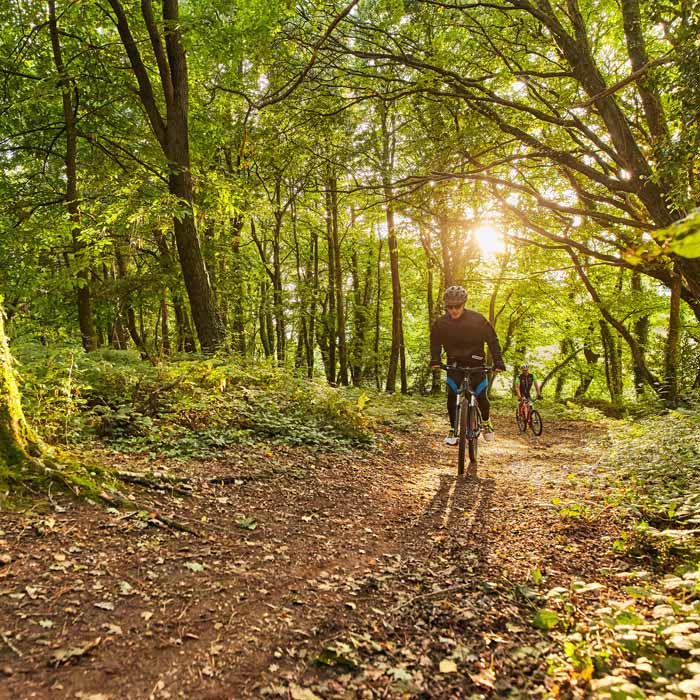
(157, 480)
(118, 500)
(231, 479)
(432, 594)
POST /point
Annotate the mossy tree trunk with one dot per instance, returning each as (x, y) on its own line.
(19, 445)
(24, 458)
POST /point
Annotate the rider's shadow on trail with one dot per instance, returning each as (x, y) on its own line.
(459, 505)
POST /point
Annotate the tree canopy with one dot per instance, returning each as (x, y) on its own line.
(301, 182)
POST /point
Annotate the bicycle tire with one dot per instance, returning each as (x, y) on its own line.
(536, 423)
(522, 425)
(462, 422)
(473, 432)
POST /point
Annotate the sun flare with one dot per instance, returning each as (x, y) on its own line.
(489, 239)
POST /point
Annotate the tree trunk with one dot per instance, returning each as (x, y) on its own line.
(314, 306)
(238, 329)
(613, 365)
(87, 327)
(396, 315)
(362, 291)
(166, 347)
(302, 299)
(126, 310)
(377, 316)
(558, 367)
(323, 340)
(173, 137)
(19, 445)
(427, 243)
(185, 338)
(277, 304)
(635, 349)
(338, 282)
(331, 324)
(641, 334)
(397, 353)
(672, 349)
(592, 358)
(267, 330)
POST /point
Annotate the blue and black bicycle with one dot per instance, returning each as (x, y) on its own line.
(467, 427)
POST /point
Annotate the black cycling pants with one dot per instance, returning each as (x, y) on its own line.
(482, 399)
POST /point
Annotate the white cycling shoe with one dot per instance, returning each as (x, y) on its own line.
(487, 431)
(451, 439)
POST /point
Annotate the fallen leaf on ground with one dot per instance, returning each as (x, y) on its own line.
(299, 693)
(65, 655)
(484, 678)
(448, 666)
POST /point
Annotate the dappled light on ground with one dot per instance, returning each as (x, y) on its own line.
(295, 550)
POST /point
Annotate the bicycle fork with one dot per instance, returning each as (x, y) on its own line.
(458, 411)
(472, 403)
(475, 430)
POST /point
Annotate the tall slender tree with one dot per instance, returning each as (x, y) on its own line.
(172, 133)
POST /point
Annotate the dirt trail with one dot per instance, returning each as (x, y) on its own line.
(381, 561)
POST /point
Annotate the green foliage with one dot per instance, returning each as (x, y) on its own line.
(184, 409)
(685, 236)
(660, 458)
(545, 619)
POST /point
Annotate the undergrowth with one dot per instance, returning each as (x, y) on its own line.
(186, 408)
(643, 640)
(658, 460)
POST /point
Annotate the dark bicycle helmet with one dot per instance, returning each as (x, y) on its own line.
(524, 366)
(455, 295)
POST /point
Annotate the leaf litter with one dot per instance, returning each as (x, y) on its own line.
(368, 574)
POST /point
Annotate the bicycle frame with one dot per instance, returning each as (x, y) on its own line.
(525, 416)
(465, 389)
(527, 404)
(467, 425)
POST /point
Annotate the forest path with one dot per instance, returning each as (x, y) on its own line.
(348, 560)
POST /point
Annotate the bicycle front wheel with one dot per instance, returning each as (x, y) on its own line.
(520, 420)
(461, 453)
(473, 432)
(536, 423)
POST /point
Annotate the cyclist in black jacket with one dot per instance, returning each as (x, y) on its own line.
(462, 333)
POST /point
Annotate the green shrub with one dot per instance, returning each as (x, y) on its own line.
(659, 460)
(189, 407)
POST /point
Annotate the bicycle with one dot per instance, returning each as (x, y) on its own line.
(467, 419)
(526, 415)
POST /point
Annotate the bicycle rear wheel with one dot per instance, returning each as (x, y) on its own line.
(536, 423)
(520, 420)
(461, 453)
(473, 432)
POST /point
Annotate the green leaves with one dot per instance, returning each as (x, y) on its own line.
(545, 619)
(246, 522)
(336, 657)
(685, 236)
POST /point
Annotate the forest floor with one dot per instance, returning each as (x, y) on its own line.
(374, 573)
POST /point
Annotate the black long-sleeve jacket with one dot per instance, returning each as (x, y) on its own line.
(463, 339)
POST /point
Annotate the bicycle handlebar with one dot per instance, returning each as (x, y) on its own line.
(471, 370)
